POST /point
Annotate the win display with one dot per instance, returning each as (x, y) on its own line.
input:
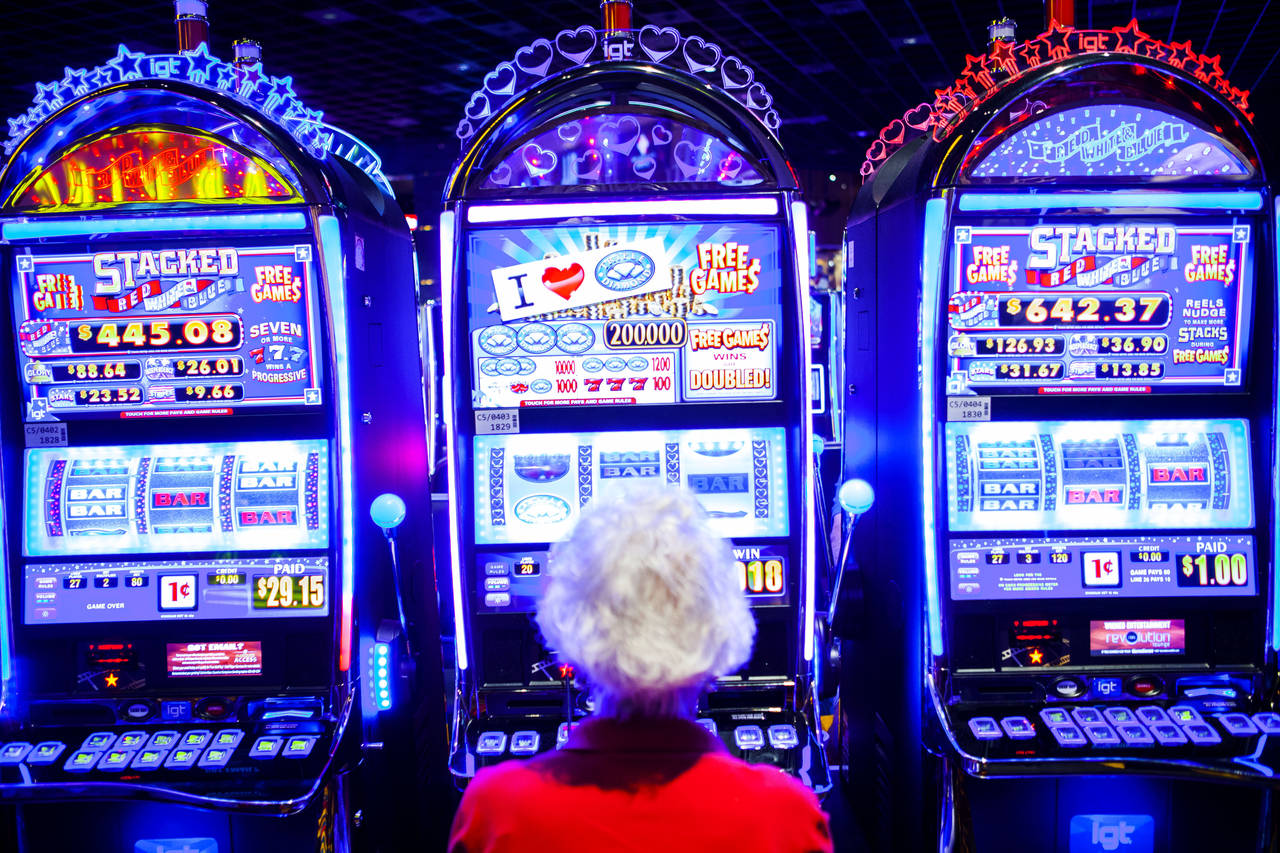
(1081, 307)
(624, 314)
(192, 329)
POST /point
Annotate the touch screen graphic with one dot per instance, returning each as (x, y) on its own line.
(624, 314)
(1081, 475)
(530, 488)
(249, 496)
(1099, 308)
(176, 329)
(1137, 637)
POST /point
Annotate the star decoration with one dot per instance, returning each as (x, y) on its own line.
(249, 78)
(281, 91)
(47, 95)
(76, 79)
(1127, 37)
(101, 77)
(1056, 39)
(199, 62)
(1037, 656)
(224, 76)
(127, 63)
(112, 679)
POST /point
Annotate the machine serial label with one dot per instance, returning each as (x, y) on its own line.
(46, 435)
(497, 421)
(968, 408)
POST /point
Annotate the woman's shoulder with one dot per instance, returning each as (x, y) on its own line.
(769, 782)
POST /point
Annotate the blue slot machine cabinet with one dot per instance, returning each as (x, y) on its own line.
(625, 299)
(209, 292)
(1075, 529)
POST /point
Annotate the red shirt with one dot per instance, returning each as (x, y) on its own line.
(639, 785)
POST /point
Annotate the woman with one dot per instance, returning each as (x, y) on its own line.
(644, 601)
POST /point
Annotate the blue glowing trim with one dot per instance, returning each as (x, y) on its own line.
(270, 96)
(6, 668)
(800, 221)
(380, 676)
(447, 225)
(935, 220)
(1238, 200)
(1275, 471)
(335, 282)
(42, 228)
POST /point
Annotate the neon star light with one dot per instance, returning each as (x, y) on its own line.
(271, 96)
(984, 75)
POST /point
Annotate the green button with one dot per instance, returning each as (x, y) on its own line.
(227, 737)
(182, 755)
(130, 740)
(82, 758)
(215, 754)
(164, 740)
(150, 756)
(298, 745)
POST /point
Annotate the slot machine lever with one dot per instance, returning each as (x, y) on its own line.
(856, 497)
(388, 512)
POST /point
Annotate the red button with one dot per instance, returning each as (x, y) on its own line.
(1146, 686)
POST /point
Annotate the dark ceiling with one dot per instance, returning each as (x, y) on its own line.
(398, 73)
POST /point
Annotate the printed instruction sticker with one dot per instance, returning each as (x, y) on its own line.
(497, 421)
(968, 408)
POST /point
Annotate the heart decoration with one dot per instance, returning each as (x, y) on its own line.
(691, 159)
(478, 106)
(734, 74)
(588, 165)
(536, 58)
(877, 150)
(866, 169)
(564, 283)
(576, 45)
(621, 136)
(920, 117)
(893, 132)
(758, 98)
(772, 120)
(538, 160)
(660, 135)
(501, 80)
(465, 131)
(658, 44)
(699, 55)
(730, 167)
(644, 166)
(501, 176)
(570, 132)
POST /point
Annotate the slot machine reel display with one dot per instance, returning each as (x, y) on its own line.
(635, 317)
(1093, 497)
(195, 596)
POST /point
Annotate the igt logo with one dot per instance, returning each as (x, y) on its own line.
(1108, 832)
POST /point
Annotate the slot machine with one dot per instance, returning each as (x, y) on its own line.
(1074, 533)
(625, 298)
(209, 292)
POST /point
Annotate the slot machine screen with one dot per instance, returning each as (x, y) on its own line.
(176, 498)
(624, 314)
(166, 329)
(1086, 307)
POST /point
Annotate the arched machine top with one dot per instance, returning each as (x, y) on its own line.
(679, 116)
(140, 128)
(1114, 106)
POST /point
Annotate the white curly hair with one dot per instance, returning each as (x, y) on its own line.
(643, 598)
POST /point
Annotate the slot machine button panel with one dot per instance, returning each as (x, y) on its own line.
(81, 761)
(1101, 734)
(1069, 736)
(1202, 734)
(46, 752)
(525, 743)
(1087, 716)
(1268, 722)
(299, 746)
(749, 737)
(228, 739)
(196, 738)
(1069, 687)
(98, 742)
(1153, 714)
(116, 759)
(266, 747)
(491, 743)
(1018, 728)
(1055, 717)
(1168, 734)
(985, 728)
(149, 759)
(1119, 716)
(1237, 725)
(182, 758)
(131, 740)
(1185, 715)
(215, 756)
(1135, 734)
(163, 740)
(14, 753)
(783, 737)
